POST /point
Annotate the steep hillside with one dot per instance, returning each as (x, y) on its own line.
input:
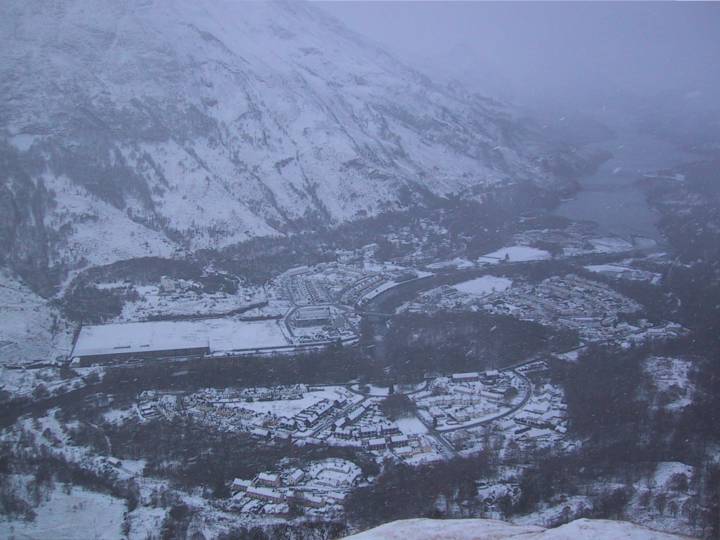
(31, 328)
(138, 127)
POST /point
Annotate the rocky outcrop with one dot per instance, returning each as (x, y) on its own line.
(485, 529)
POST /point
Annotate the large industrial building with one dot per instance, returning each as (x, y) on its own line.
(157, 339)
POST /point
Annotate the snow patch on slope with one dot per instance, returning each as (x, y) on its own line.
(94, 232)
(31, 329)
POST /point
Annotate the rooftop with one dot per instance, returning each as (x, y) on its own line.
(216, 334)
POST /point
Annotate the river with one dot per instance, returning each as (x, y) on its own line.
(612, 198)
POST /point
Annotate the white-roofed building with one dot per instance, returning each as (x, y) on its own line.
(265, 494)
(268, 479)
(376, 444)
(153, 339)
(465, 377)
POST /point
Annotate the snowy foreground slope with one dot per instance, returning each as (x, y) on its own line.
(138, 127)
(485, 529)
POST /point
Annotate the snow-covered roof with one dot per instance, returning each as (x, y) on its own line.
(265, 493)
(470, 375)
(156, 336)
(268, 477)
(139, 338)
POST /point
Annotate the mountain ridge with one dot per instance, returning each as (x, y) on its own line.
(141, 128)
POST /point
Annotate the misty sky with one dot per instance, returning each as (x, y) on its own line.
(529, 50)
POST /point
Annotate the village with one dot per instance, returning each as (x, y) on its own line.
(506, 412)
(317, 488)
(312, 306)
(449, 413)
(591, 308)
(305, 307)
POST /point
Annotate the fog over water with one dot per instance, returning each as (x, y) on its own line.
(611, 197)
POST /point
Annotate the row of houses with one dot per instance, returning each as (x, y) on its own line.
(310, 417)
(491, 376)
(323, 484)
(382, 443)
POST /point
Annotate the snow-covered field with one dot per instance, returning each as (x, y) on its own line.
(154, 302)
(411, 425)
(515, 254)
(626, 272)
(484, 285)
(458, 262)
(70, 516)
(610, 244)
(291, 407)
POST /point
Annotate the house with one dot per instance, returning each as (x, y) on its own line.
(344, 434)
(267, 479)
(260, 433)
(295, 477)
(311, 419)
(239, 485)
(398, 440)
(354, 415)
(283, 436)
(389, 429)
(287, 423)
(465, 377)
(404, 451)
(265, 494)
(305, 499)
(368, 432)
(167, 284)
(376, 444)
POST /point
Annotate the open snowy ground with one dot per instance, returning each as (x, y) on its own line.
(484, 285)
(458, 262)
(291, 407)
(70, 516)
(411, 425)
(515, 254)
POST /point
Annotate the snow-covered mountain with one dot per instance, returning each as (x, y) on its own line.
(486, 529)
(133, 127)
